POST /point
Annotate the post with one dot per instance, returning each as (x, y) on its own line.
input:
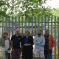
(58, 37)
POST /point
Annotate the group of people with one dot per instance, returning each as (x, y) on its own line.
(43, 45)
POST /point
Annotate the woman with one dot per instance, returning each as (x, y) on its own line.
(27, 52)
(5, 43)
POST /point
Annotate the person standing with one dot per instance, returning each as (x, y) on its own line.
(49, 44)
(39, 42)
(15, 43)
(27, 52)
(5, 43)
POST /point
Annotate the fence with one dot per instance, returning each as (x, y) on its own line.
(33, 24)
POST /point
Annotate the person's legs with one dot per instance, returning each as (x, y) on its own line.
(37, 54)
(50, 53)
(3, 54)
(41, 54)
(41, 58)
(45, 54)
(37, 57)
(30, 54)
(18, 53)
(14, 54)
(24, 58)
(6, 55)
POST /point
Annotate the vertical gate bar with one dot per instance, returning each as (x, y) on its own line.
(52, 32)
(45, 23)
(22, 24)
(35, 25)
(51, 25)
(32, 26)
(6, 23)
(2, 25)
(9, 27)
(19, 24)
(38, 23)
(42, 24)
(15, 23)
(58, 37)
(25, 23)
(19, 28)
(29, 23)
(55, 37)
(12, 25)
(48, 23)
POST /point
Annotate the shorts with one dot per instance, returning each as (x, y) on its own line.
(39, 53)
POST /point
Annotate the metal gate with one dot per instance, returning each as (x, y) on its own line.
(33, 24)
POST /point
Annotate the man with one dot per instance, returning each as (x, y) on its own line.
(49, 44)
(15, 43)
(39, 42)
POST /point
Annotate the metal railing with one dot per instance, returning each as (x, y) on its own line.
(33, 24)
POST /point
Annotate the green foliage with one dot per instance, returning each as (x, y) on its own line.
(34, 8)
(26, 8)
(2, 3)
(3, 9)
(56, 12)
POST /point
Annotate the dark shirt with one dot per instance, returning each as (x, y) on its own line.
(26, 40)
(46, 47)
(16, 41)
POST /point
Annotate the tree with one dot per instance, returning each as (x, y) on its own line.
(3, 8)
(34, 8)
(26, 8)
(56, 12)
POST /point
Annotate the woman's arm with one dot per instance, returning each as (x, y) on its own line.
(1, 41)
(9, 43)
(31, 40)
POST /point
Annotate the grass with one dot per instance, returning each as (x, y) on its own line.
(0, 54)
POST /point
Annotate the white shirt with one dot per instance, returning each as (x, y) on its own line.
(6, 45)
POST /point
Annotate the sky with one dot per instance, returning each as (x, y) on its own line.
(52, 3)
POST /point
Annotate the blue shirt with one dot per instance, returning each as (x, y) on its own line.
(37, 41)
(26, 40)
